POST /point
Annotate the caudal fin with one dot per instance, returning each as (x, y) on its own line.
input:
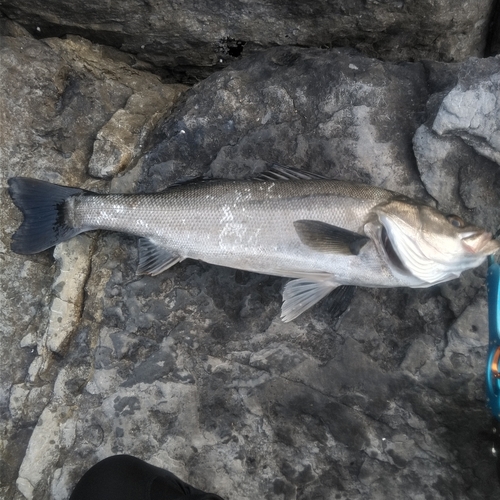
(42, 205)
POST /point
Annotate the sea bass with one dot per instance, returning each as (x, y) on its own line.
(325, 234)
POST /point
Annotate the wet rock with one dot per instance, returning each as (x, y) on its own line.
(196, 39)
(193, 371)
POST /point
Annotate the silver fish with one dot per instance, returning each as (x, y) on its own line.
(322, 233)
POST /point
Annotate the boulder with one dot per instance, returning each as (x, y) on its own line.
(194, 39)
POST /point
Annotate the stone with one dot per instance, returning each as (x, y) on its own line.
(119, 144)
(65, 309)
(470, 111)
(457, 147)
(194, 40)
(331, 122)
(192, 370)
(54, 100)
(120, 141)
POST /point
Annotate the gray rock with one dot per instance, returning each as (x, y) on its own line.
(457, 149)
(336, 112)
(198, 38)
(192, 370)
(119, 144)
(471, 110)
(54, 101)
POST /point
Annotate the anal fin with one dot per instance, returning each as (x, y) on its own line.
(301, 294)
(154, 259)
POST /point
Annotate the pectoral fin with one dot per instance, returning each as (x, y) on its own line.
(324, 237)
(154, 259)
(301, 294)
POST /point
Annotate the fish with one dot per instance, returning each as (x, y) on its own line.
(326, 235)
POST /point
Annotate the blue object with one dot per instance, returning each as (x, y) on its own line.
(493, 364)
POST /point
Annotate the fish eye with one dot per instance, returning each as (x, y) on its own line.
(456, 221)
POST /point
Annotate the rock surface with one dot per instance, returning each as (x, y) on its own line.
(55, 97)
(192, 370)
(197, 37)
(337, 112)
(471, 110)
(460, 140)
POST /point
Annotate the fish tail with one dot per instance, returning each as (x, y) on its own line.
(43, 207)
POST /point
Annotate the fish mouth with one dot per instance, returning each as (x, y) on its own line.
(480, 243)
(391, 252)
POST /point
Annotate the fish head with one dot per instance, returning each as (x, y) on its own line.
(430, 245)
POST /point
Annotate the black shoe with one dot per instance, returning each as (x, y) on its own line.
(123, 477)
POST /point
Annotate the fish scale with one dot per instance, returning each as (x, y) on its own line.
(243, 224)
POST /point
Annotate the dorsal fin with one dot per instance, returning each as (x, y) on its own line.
(282, 173)
(275, 173)
(184, 181)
